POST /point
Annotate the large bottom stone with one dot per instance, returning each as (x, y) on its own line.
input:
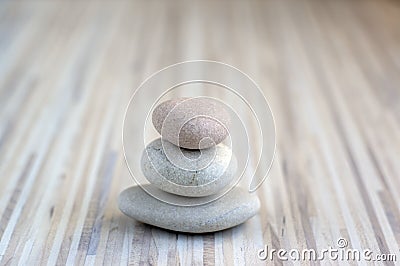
(232, 209)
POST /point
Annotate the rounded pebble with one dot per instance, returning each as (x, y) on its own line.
(161, 170)
(232, 209)
(192, 123)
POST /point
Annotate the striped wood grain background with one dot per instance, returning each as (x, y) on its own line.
(330, 70)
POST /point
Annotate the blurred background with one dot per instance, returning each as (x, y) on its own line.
(329, 69)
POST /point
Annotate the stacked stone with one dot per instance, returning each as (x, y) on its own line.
(190, 160)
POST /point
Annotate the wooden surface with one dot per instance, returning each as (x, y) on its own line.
(330, 70)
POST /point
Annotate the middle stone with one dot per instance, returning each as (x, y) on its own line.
(162, 171)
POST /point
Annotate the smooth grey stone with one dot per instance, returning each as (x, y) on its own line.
(166, 171)
(232, 209)
(192, 123)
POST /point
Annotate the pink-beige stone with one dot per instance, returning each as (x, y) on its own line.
(192, 123)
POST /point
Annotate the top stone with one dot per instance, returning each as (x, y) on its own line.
(192, 123)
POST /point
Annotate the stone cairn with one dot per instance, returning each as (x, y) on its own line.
(189, 161)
